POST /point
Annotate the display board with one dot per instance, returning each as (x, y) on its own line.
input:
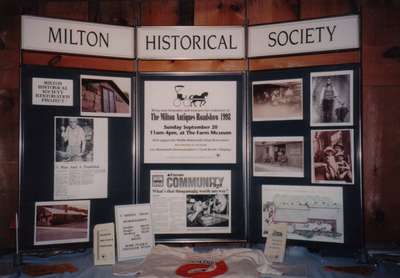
(77, 135)
(191, 156)
(305, 164)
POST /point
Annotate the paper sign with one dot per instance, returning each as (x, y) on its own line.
(104, 244)
(76, 37)
(276, 242)
(324, 34)
(135, 237)
(53, 92)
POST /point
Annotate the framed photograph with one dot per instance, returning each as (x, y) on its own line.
(313, 213)
(331, 98)
(106, 96)
(332, 156)
(61, 222)
(278, 100)
(278, 156)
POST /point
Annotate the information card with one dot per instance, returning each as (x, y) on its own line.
(276, 242)
(135, 237)
(104, 244)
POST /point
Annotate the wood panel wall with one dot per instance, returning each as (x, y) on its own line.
(381, 82)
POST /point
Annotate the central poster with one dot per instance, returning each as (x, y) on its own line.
(190, 121)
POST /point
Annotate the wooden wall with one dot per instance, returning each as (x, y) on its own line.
(380, 77)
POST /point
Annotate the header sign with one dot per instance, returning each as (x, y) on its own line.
(191, 42)
(317, 35)
(66, 36)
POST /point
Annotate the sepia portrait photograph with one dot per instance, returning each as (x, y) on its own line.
(61, 222)
(332, 156)
(74, 139)
(278, 156)
(331, 101)
(108, 96)
(278, 100)
(207, 210)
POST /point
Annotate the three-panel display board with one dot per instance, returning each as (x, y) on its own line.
(219, 157)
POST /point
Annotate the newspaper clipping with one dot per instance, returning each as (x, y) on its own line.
(80, 158)
(206, 195)
(187, 121)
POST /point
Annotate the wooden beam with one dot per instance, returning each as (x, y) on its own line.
(73, 61)
(304, 60)
(192, 66)
(219, 12)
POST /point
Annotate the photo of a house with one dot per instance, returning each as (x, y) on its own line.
(106, 96)
(278, 157)
(61, 222)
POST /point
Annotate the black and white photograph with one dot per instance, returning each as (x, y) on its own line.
(61, 222)
(331, 101)
(74, 139)
(312, 213)
(278, 156)
(108, 96)
(207, 210)
(80, 158)
(278, 100)
(332, 156)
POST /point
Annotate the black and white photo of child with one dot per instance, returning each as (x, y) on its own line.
(207, 210)
(332, 153)
(331, 98)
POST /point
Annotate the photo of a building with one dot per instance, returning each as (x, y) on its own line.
(105, 96)
(278, 156)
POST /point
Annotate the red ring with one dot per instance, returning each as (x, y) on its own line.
(199, 270)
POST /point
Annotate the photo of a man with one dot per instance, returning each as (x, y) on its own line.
(331, 98)
(74, 139)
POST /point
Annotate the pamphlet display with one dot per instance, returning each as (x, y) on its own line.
(292, 152)
(191, 155)
(135, 237)
(213, 160)
(68, 155)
